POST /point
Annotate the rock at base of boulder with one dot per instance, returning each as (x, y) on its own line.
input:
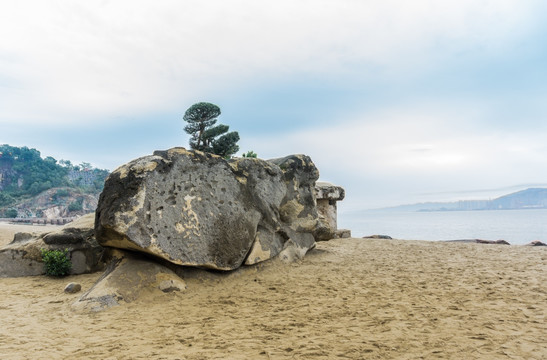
(267, 244)
(172, 285)
(128, 276)
(16, 262)
(22, 257)
(73, 288)
(296, 250)
(342, 234)
(22, 237)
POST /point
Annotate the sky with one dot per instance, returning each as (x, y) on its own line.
(396, 101)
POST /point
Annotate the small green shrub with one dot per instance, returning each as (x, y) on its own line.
(56, 262)
(59, 194)
(250, 154)
(77, 205)
(62, 193)
(11, 213)
(6, 199)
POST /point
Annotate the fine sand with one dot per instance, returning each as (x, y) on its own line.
(347, 299)
(7, 230)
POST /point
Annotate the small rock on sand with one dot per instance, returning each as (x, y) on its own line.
(497, 242)
(536, 243)
(172, 285)
(73, 288)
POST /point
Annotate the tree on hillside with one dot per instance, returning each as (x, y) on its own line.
(23, 174)
(207, 137)
(11, 213)
(29, 173)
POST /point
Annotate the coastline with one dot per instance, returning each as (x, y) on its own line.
(518, 227)
(348, 298)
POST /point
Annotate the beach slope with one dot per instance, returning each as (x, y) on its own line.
(347, 299)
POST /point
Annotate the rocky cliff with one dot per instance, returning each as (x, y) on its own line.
(31, 186)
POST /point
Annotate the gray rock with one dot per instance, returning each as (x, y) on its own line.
(495, 242)
(197, 209)
(480, 241)
(22, 237)
(342, 234)
(172, 285)
(385, 237)
(22, 257)
(328, 191)
(298, 226)
(73, 288)
(327, 195)
(127, 277)
(17, 261)
(536, 243)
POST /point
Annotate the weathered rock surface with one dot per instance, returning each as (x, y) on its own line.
(385, 237)
(536, 243)
(51, 207)
(171, 285)
(197, 209)
(294, 232)
(22, 257)
(327, 195)
(72, 288)
(342, 234)
(126, 278)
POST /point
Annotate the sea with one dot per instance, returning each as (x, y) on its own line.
(518, 227)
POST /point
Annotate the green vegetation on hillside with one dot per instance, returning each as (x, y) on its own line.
(24, 174)
(250, 154)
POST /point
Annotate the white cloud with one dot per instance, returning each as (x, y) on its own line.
(86, 60)
(397, 155)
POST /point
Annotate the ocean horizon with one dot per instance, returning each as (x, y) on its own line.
(518, 227)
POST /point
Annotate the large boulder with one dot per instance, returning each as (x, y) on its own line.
(196, 209)
(22, 257)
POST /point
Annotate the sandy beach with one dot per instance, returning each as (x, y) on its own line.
(347, 299)
(7, 230)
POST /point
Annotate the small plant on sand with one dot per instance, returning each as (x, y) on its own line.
(56, 262)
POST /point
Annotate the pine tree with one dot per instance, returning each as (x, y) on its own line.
(207, 137)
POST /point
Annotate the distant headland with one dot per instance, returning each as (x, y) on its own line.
(532, 198)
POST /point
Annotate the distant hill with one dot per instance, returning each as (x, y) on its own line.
(32, 186)
(533, 198)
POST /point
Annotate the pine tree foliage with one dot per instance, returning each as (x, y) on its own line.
(205, 135)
